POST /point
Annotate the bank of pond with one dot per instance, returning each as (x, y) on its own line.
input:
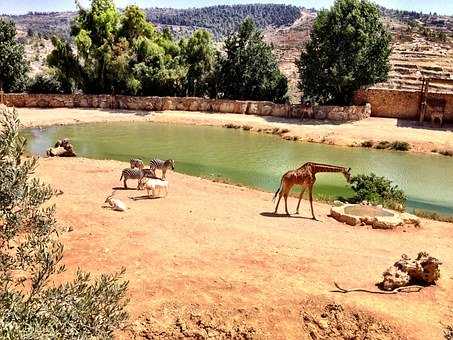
(254, 160)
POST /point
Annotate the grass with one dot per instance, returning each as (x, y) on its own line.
(433, 216)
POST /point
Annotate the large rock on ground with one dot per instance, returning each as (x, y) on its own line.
(423, 270)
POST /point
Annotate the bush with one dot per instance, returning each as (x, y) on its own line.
(32, 306)
(45, 84)
(383, 145)
(377, 190)
(433, 216)
(400, 146)
(367, 144)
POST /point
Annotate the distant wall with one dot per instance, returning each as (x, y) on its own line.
(399, 103)
(337, 113)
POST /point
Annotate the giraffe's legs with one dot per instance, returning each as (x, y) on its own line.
(278, 202)
(310, 192)
(286, 204)
(300, 198)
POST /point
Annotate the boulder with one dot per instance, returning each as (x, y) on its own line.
(424, 270)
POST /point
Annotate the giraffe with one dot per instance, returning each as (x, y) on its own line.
(306, 177)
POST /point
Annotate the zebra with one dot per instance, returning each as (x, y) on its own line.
(161, 165)
(139, 173)
(136, 163)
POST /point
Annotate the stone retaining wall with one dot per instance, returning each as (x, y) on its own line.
(399, 103)
(259, 108)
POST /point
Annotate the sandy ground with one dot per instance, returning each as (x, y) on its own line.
(349, 134)
(211, 258)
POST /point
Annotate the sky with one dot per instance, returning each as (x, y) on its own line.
(23, 6)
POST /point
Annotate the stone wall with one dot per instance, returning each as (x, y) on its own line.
(399, 103)
(259, 108)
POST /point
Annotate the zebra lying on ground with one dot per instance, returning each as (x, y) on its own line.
(136, 163)
(135, 174)
(161, 165)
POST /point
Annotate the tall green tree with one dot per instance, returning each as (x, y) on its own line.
(349, 47)
(199, 55)
(32, 306)
(249, 70)
(13, 66)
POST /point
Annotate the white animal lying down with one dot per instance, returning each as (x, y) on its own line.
(115, 203)
(155, 185)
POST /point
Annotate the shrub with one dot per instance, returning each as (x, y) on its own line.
(377, 190)
(400, 146)
(367, 144)
(433, 216)
(44, 83)
(383, 145)
(31, 305)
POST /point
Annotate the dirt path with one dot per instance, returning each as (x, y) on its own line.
(347, 134)
(211, 258)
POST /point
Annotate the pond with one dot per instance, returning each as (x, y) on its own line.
(255, 160)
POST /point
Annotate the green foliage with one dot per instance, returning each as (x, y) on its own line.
(396, 145)
(199, 55)
(13, 66)
(400, 146)
(249, 69)
(31, 305)
(45, 83)
(349, 47)
(377, 190)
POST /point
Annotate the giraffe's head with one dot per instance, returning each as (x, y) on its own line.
(347, 174)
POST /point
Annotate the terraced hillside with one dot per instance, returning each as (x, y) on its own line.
(413, 61)
(414, 53)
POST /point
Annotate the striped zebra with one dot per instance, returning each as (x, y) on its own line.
(138, 174)
(161, 165)
(136, 163)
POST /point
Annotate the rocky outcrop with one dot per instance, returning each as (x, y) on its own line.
(259, 108)
(423, 270)
(62, 148)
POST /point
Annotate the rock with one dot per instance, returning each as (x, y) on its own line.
(338, 214)
(394, 278)
(410, 219)
(386, 222)
(423, 270)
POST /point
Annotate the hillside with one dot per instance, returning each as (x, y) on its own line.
(422, 44)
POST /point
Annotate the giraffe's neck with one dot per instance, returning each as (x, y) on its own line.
(317, 167)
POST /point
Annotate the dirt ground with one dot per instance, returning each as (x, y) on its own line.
(211, 260)
(347, 134)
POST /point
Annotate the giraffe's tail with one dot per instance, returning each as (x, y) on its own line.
(278, 190)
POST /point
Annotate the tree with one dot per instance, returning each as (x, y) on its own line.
(199, 55)
(13, 66)
(249, 70)
(349, 47)
(31, 305)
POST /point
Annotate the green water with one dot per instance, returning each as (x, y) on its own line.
(254, 160)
